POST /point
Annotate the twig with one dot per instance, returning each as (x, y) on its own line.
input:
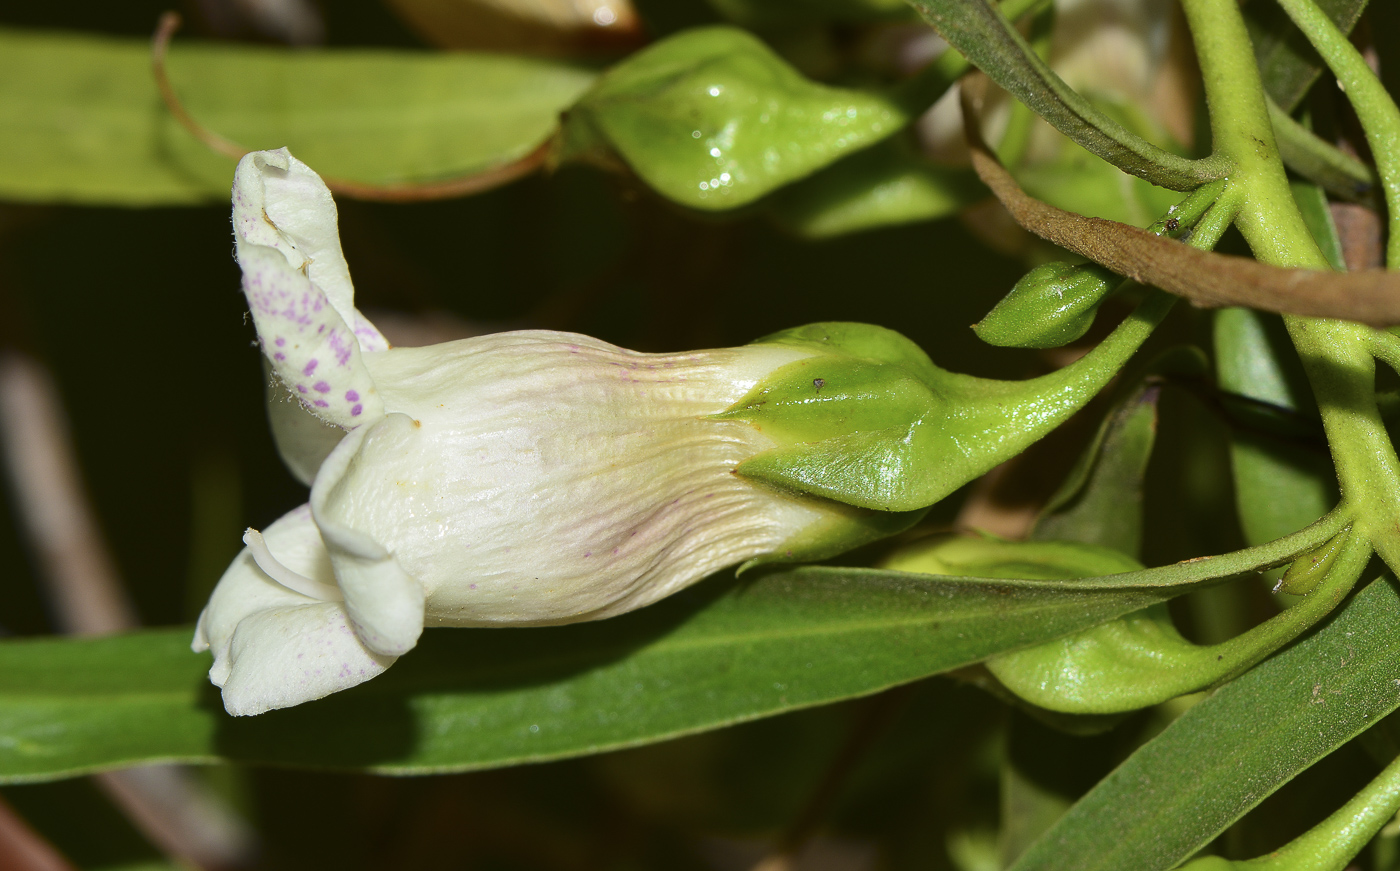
(85, 594)
(176, 813)
(880, 711)
(404, 192)
(1205, 278)
(160, 45)
(23, 849)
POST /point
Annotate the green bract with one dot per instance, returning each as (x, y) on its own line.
(713, 119)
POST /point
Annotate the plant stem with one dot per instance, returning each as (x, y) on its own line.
(1336, 355)
(1379, 117)
(1331, 844)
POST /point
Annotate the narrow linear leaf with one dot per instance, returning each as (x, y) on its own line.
(1101, 501)
(1288, 65)
(978, 30)
(1224, 756)
(84, 123)
(1204, 277)
(467, 699)
(1281, 484)
(1309, 156)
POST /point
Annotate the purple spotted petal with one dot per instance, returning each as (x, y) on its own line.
(299, 291)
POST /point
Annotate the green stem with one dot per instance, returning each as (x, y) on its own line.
(1376, 110)
(1335, 355)
(1332, 843)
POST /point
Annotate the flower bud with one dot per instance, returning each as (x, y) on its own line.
(1052, 305)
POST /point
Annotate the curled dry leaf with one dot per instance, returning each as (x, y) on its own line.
(1205, 278)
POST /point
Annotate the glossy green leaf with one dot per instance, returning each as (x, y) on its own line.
(712, 118)
(978, 30)
(465, 699)
(879, 187)
(1225, 755)
(1142, 660)
(1288, 65)
(83, 121)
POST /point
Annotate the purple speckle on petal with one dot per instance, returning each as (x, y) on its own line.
(352, 396)
(310, 367)
(279, 356)
(355, 412)
(280, 342)
(321, 387)
(321, 403)
(472, 587)
(301, 388)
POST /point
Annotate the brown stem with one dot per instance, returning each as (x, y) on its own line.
(403, 192)
(160, 45)
(23, 849)
(1205, 278)
(880, 711)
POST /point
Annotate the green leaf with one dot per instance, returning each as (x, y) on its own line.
(1320, 161)
(1101, 501)
(1281, 484)
(978, 30)
(713, 119)
(84, 124)
(879, 187)
(1225, 755)
(1288, 65)
(478, 698)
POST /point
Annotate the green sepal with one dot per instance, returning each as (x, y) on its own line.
(713, 119)
(906, 433)
(1052, 305)
(846, 417)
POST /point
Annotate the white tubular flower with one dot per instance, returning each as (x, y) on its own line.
(524, 478)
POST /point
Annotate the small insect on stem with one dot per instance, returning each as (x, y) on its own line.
(1172, 224)
(819, 383)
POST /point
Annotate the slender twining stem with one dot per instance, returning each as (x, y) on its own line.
(1336, 355)
(1330, 845)
(1379, 117)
